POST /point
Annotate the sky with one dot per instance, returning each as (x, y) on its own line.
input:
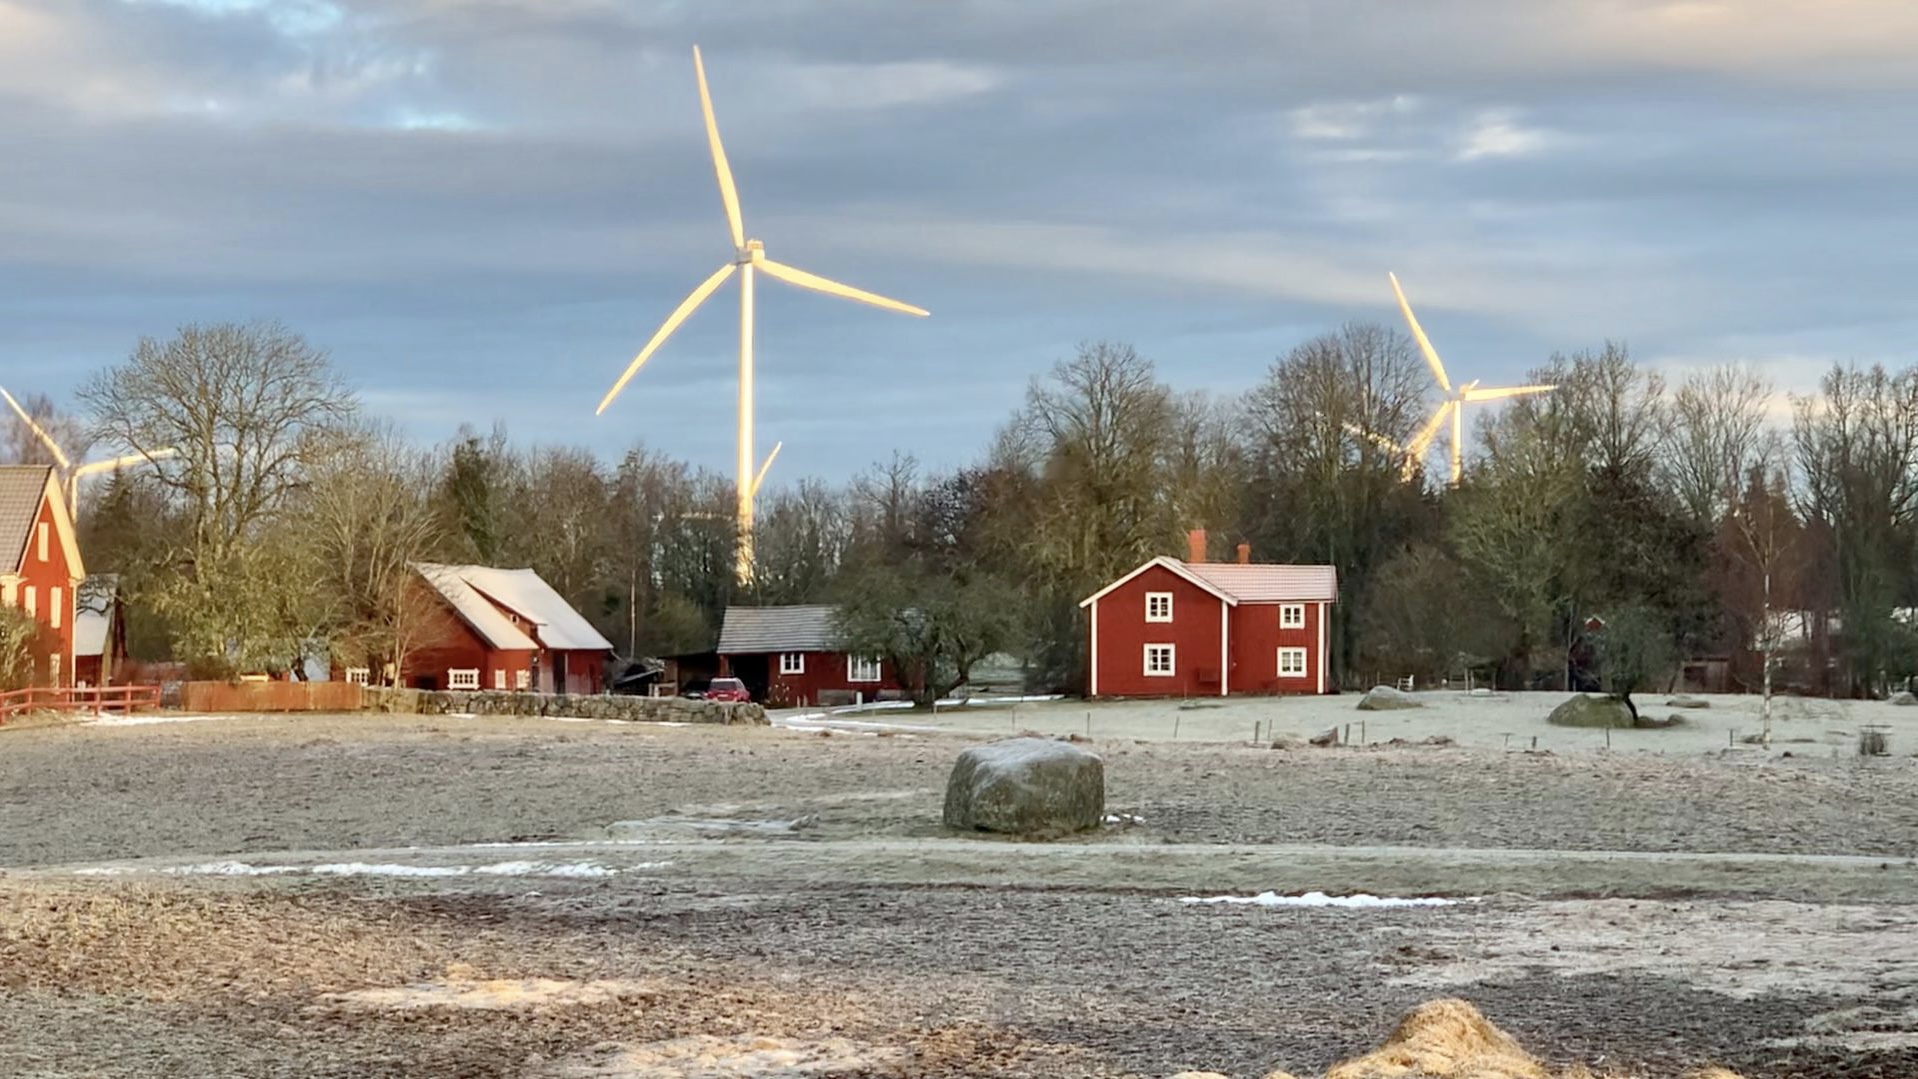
(481, 209)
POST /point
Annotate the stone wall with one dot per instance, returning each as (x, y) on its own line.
(630, 709)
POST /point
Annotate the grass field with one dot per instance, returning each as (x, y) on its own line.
(404, 896)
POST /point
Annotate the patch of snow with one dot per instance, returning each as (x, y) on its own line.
(1360, 901)
(576, 870)
(1123, 818)
(364, 869)
(154, 718)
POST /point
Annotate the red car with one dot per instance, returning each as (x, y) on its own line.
(728, 689)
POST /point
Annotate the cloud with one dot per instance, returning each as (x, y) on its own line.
(1497, 133)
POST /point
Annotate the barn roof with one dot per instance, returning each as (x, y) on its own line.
(753, 630)
(473, 592)
(1235, 583)
(93, 613)
(21, 488)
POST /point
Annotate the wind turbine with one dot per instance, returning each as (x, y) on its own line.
(1456, 399)
(748, 256)
(74, 474)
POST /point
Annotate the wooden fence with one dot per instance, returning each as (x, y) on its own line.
(270, 697)
(95, 699)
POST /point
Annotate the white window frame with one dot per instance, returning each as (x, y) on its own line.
(30, 601)
(499, 678)
(863, 668)
(1152, 598)
(359, 676)
(54, 672)
(56, 597)
(45, 535)
(1300, 654)
(792, 663)
(522, 680)
(1171, 660)
(462, 678)
(1291, 616)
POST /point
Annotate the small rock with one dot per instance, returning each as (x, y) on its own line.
(1903, 698)
(1686, 700)
(1329, 738)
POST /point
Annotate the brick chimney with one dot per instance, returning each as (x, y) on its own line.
(1195, 545)
(1245, 554)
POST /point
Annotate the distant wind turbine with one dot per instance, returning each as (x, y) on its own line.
(74, 474)
(1456, 399)
(748, 256)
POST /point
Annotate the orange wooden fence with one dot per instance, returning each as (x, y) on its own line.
(270, 697)
(95, 699)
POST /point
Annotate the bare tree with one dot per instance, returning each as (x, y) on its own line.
(250, 409)
(22, 445)
(1718, 434)
(366, 517)
(1767, 535)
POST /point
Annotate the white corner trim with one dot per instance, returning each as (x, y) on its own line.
(1323, 659)
(1093, 689)
(1225, 649)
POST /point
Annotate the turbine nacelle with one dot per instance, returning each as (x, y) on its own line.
(750, 252)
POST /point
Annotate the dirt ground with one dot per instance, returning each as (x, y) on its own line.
(388, 896)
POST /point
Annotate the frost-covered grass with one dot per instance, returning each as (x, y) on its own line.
(1360, 901)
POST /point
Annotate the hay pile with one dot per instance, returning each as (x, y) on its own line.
(1449, 1039)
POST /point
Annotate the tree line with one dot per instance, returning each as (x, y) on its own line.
(1707, 519)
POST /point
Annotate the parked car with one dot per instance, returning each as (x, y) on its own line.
(728, 689)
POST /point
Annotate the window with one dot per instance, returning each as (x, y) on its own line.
(463, 679)
(54, 672)
(1158, 660)
(30, 601)
(358, 676)
(522, 679)
(792, 663)
(1291, 663)
(43, 541)
(499, 679)
(55, 606)
(1292, 616)
(862, 668)
(1158, 606)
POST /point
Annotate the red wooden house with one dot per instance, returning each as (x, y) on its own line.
(1198, 628)
(501, 629)
(40, 568)
(793, 656)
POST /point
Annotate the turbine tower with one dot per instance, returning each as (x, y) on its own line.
(72, 474)
(749, 257)
(1455, 399)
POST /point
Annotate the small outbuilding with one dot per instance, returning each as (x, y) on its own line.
(794, 656)
(99, 633)
(1190, 628)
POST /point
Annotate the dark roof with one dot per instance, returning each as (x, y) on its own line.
(21, 488)
(752, 630)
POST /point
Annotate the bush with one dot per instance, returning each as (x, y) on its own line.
(17, 633)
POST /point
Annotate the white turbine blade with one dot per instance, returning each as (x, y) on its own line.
(92, 468)
(38, 431)
(1418, 334)
(705, 289)
(794, 276)
(1500, 393)
(1374, 437)
(1423, 440)
(760, 479)
(728, 193)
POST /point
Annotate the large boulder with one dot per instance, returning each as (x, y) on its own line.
(1903, 698)
(1589, 710)
(1387, 699)
(1026, 786)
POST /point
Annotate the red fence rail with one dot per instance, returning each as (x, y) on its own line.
(95, 699)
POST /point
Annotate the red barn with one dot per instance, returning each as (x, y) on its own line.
(792, 655)
(1198, 628)
(502, 629)
(40, 569)
(99, 632)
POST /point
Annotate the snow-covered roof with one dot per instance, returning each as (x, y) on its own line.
(754, 630)
(1268, 583)
(93, 613)
(473, 592)
(1236, 583)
